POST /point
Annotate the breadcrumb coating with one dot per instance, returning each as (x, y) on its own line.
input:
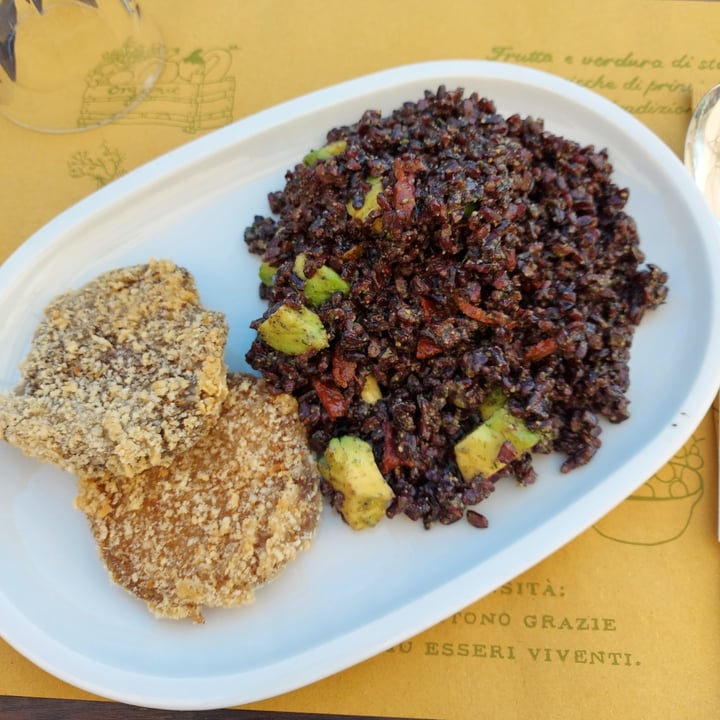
(122, 375)
(223, 520)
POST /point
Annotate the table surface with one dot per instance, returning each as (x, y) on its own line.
(27, 708)
(657, 601)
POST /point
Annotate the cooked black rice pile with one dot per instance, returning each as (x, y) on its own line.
(500, 255)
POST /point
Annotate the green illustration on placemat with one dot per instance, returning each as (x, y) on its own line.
(102, 167)
(194, 93)
(661, 509)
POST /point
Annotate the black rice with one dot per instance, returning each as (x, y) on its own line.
(499, 255)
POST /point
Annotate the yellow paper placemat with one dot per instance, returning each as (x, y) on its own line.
(624, 622)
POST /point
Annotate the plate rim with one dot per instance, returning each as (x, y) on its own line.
(162, 692)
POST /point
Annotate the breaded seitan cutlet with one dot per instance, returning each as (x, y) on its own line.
(222, 520)
(122, 374)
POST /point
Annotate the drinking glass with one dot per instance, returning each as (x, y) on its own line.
(70, 65)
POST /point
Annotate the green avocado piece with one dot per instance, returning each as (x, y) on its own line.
(513, 429)
(370, 202)
(349, 466)
(371, 392)
(325, 152)
(294, 331)
(477, 453)
(494, 401)
(322, 284)
(267, 274)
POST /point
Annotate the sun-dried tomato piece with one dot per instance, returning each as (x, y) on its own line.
(332, 400)
(426, 348)
(541, 350)
(343, 370)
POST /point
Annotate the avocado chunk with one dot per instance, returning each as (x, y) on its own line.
(294, 331)
(349, 466)
(370, 392)
(323, 283)
(325, 152)
(266, 273)
(494, 401)
(478, 452)
(370, 202)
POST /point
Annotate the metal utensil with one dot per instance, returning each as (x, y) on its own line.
(702, 152)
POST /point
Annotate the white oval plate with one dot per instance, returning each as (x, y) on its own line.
(351, 595)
